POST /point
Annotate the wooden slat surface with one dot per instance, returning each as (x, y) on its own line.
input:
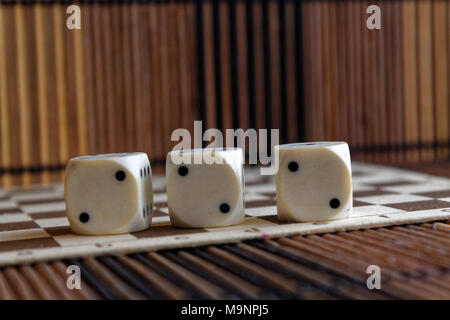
(414, 262)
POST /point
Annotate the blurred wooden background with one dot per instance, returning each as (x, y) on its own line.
(138, 70)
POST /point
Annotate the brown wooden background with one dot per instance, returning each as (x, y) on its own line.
(138, 70)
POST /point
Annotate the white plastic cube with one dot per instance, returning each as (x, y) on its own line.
(205, 194)
(109, 193)
(314, 181)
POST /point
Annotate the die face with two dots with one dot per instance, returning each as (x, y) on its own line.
(109, 193)
(205, 195)
(313, 182)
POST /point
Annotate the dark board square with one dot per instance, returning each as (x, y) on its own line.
(10, 210)
(58, 231)
(419, 205)
(392, 183)
(161, 204)
(40, 201)
(269, 194)
(47, 215)
(19, 226)
(260, 203)
(28, 244)
(159, 213)
(359, 194)
(359, 173)
(357, 203)
(436, 194)
(163, 231)
(273, 219)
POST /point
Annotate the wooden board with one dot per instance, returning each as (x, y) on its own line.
(33, 226)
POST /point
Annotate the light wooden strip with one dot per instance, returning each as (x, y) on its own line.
(193, 85)
(71, 92)
(389, 22)
(137, 69)
(117, 75)
(410, 78)
(397, 61)
(58, 19)
(111, 109)
(5, 156)
(441, 74)
(24, 121)
(185, 64)
(42, 102)
(426, 108)
(380, 93)
(80, 89)
(100, 101)
(51, 86)
(31, 81)
(89, 78)
(369, 84)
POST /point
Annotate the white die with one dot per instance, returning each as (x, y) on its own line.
(205, 195)
(109, 193)
(314, 181)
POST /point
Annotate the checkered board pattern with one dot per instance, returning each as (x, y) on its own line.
(33, 225)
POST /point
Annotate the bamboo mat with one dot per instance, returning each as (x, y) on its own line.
(34, 228)
(137, 70)
(414, 262)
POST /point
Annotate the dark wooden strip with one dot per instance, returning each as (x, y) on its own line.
(217, 48)
(278, 283)
(246, 289)
(129, 277)
(94, 281)
(152, 278)
(284, 128)
(177, 280)
(249, 276)
(199, 41)
(204, 287)
(231, 293)
(335, 286)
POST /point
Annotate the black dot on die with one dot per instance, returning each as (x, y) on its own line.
(183, 171)
(335, 203)
(84, 217)
(120, 175)
(293, 166)
(224, 208)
